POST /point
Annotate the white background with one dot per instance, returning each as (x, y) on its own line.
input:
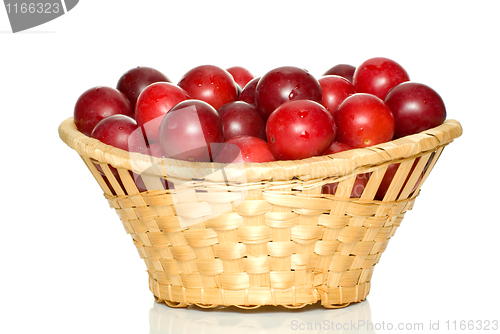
(67, 265)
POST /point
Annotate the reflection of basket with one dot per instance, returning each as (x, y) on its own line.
(267, 319)
(261, 234)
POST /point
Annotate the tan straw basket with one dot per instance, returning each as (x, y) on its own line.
(261, 234)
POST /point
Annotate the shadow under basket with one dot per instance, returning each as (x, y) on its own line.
(253, 234)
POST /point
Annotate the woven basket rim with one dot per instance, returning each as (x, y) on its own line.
(334, 165)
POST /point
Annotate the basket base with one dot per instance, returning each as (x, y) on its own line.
(251, 298)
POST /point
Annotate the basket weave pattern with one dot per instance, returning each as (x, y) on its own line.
(274, 239)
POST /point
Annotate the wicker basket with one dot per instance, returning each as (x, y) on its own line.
(261, 234)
